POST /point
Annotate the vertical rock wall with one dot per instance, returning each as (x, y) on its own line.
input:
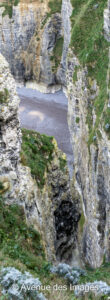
(40, 65)
(91, 158)
(54, 210)
(66, 25)
(10, 135)
(91, 161)
(17, 31)
(35, 41)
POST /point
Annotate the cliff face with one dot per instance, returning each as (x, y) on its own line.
(10, 136)
(16, 30)
(66, 12)
(92, 174)
(42, 55)
(31, 39)
(34, 38)
(53, 210)
(88, 117)
(51, 44)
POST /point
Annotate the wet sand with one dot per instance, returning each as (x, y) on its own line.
(46, 113)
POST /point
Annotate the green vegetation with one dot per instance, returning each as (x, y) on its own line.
(8, 5)
(106, 116)
(102, 273)
(55, 7)
(63, 163)
(99, 134)
(18, 241)
(36, 153)
(77, 120)
(57, 53)
(4, 95)
(91, 48)
(21, 247)
(75, 73)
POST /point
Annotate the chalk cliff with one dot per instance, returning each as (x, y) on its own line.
(53, 210)
(31, 39)
(62, 47)
(88, 118)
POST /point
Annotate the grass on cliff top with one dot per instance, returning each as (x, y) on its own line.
(91, 48)
(54, 7)
(36, 153)
(8, 5)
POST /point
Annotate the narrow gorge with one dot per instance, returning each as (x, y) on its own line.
(51, 46)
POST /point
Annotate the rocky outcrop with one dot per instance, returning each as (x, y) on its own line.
(17, 30)
(66, 25)
(54, 210)
(40, 65)
(51, 43)
(58, 213)
(10, 135)
(35, 42)
(91, 175)
(91, 151)
(31, 39)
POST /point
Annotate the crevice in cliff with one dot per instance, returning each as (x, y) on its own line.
(101, 190)
(66, 224)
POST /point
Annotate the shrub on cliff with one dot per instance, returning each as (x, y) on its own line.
(18, 241)
(36, 153)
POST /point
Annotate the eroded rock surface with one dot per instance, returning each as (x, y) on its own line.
(89, 125)
(35, 42)
(54, 210)
(91, 159)
(17, 30)
(28, 39)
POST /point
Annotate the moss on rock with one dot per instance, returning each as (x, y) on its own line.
(91, 48)
(4, 95)
(37, 150)
(57, 53)
(8, 7)
(18, 241)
